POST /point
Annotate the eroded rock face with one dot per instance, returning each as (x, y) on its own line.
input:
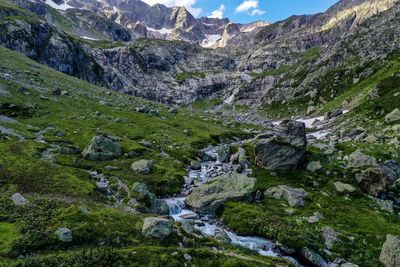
(286, 149)
(294, 196)
(390, 254)
(155, 227)
(102, 147)
(210, 196)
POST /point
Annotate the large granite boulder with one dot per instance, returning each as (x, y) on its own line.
(294, 196)
(155, 227)
(149, 203)
(390, 254)
(213, 194)
(102, 147)
(286, 149)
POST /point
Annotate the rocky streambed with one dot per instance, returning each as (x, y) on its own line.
(211, 177)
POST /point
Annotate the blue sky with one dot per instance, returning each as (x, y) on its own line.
(250, 10)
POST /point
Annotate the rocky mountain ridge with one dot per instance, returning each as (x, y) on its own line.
(283, 65)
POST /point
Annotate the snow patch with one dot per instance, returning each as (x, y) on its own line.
(211, 40)
(64, 6)
(89, 38)
(162, 31)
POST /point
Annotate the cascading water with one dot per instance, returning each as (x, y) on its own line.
(210, 227)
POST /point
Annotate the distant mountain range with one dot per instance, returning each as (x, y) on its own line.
(158, 21)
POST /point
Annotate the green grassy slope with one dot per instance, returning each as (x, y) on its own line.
(59, 189)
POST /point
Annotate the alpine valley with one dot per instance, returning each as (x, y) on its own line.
(138, 135)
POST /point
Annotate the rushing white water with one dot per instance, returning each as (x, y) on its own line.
(179, 212)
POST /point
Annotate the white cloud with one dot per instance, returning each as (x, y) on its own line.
(219, 13)
(189, 4)
(247, 5)
(255, 12)
(251, 7)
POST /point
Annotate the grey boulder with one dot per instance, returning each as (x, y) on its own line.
(142, 166)
(64, 235)
(18, 199)
(393, 116)
(360, 160)
(273, 155)
(294, 196)
(344, 188)
(214, 193)
(314, 166)
(285, 150)
(390, 254)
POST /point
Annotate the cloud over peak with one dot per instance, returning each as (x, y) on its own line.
(250, 7)
(219, 13)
